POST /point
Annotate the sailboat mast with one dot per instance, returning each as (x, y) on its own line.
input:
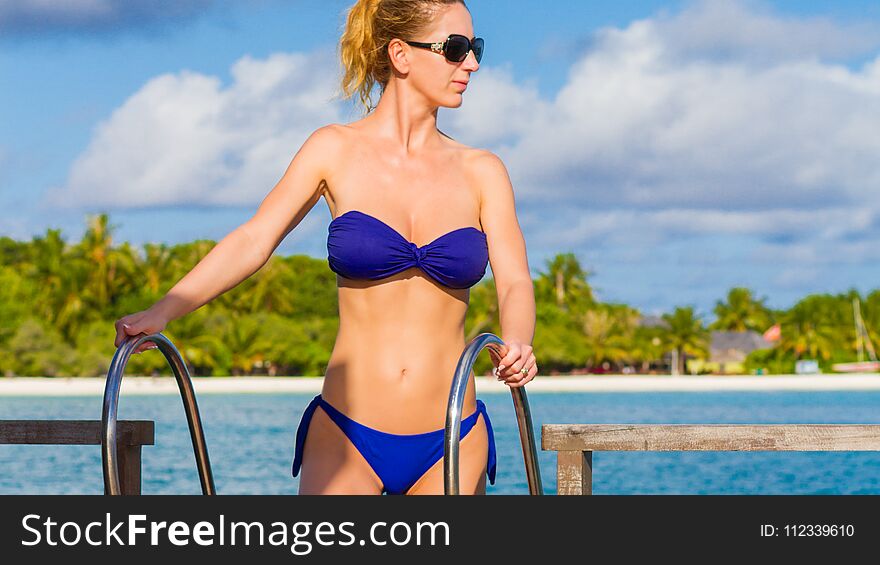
(862, 333)
(863, 342)
(856, 318)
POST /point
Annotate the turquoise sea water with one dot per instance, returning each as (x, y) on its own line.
(251, 438)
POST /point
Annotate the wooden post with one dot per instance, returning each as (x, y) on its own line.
(129, 468)
(574, 472)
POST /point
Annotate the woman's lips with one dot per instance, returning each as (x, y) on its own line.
(463, 84)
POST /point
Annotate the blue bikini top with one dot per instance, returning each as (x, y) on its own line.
(361, 246)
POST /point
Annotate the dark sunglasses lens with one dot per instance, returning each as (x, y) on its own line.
(457, 47)
(478, 48)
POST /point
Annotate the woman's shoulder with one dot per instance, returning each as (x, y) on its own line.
(487, 171)
(328, 141)
(342, 136)
(477, 156)
(481, 161)
(331, 132)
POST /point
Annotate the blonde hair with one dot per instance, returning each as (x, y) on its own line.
(370, 26)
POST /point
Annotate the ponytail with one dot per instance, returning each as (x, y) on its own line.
(359, 52)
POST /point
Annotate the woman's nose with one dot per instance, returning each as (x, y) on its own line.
(470, 62)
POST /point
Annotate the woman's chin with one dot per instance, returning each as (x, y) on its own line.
(454, 103)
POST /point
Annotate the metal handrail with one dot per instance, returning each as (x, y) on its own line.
(453, 417)
(111, 407)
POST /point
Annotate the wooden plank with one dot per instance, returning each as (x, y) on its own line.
(574, 472)
(710, 437)
(74, 432)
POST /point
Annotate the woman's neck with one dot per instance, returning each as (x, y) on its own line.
(405, 117)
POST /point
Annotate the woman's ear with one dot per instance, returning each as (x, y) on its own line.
(398, 54)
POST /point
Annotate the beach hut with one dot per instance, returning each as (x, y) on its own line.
(729, 349)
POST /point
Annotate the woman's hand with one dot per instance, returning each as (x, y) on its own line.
(145, 322)
(519, 356)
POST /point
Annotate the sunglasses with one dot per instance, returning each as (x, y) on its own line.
(455, 48)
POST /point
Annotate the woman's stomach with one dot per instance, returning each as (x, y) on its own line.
(395, 377)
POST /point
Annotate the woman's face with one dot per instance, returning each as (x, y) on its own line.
(441, 81)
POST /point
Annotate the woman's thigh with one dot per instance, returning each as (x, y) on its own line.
(473, 456)
(331, 464)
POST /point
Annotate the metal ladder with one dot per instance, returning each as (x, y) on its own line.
(206, 477)
(111, 408)
(453, 417)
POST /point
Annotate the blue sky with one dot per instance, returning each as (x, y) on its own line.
(677, 148)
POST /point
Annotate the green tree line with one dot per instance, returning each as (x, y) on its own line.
(59, 300)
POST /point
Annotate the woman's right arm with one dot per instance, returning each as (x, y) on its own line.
(247, 248)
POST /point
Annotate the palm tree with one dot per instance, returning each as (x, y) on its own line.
(741, 312)
(269, 290)
(647, 345)
(608, 333)
(157, 266)
(871, 310)
(482, 310)
(110, 270)
(810, 328)
(46, 266)
(244, 339)
(686, 334)
(60, 280)
(565, 281)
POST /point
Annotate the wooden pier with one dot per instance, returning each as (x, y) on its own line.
(131, 436)
(575, 443)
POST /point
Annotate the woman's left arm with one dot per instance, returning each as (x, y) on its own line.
(510, 267)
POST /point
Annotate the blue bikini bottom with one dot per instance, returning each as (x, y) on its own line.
(399, 459)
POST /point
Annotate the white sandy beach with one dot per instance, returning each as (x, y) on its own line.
(40, 386)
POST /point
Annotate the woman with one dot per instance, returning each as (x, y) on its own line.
(416, 217)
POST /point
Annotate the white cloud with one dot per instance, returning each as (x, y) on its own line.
(633, 127)
(781, 229)
(749, 30)
(185, 138)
